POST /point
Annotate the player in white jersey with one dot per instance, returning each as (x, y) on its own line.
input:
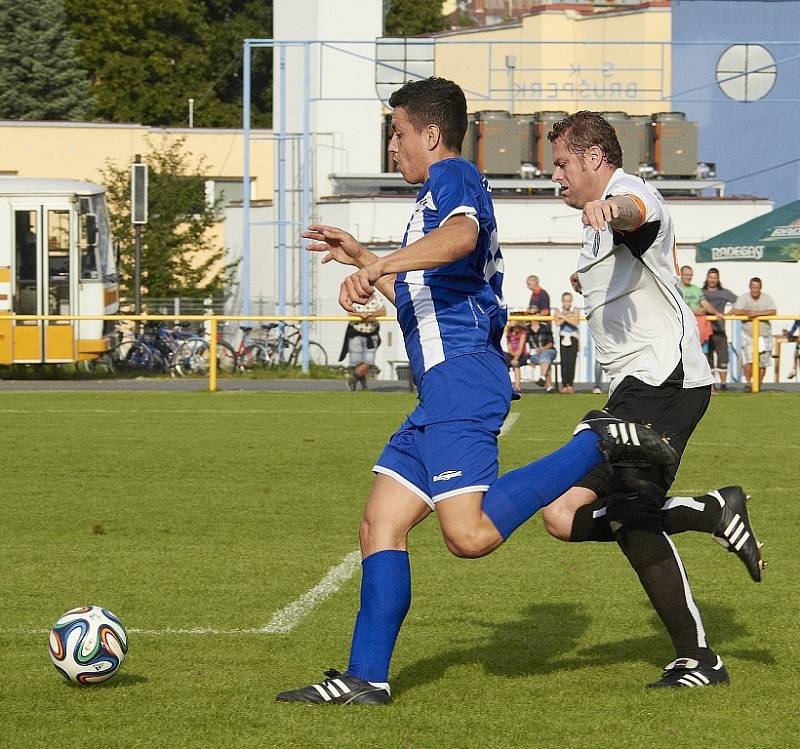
(647, 342)
(446, 283)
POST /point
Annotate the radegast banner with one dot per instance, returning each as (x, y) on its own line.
(773, 237)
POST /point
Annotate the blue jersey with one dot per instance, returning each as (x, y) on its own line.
(456, 308)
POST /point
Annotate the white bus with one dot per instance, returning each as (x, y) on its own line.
(56, 258)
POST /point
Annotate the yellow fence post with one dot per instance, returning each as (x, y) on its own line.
(212, 357)
(756, 364)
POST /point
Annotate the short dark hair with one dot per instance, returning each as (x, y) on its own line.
(435, 101)
(585, 129)
(756, 278)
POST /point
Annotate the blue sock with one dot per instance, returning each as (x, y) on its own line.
(385, 600)
(518, 494)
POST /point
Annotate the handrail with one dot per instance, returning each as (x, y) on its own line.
(212, 381)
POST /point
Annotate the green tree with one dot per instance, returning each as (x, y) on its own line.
(178, 255)
(149, 57)
(413, 17)
(41, 77)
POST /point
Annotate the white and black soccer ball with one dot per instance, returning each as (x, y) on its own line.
(88, 644)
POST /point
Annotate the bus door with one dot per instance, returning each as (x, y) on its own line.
(43, 282)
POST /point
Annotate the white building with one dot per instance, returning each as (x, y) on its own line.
(539, 234)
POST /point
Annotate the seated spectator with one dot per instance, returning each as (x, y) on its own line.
(516, 351)
(542, 351)
(361, 340)
(755, 304)
(718, 298)
(540, 299)
(567, 320)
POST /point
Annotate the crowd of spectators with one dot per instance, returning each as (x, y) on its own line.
(534, 343)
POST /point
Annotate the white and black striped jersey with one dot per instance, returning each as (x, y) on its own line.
(640, 323)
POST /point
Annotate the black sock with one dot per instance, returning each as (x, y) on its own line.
(660, 570)
(692, 513)
(590, 524)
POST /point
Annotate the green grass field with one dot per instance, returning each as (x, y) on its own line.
(213, 512)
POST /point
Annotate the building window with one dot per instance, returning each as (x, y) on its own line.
(746, 72)
(227, 190)
(401, 59)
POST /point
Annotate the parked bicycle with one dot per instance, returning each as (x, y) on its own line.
(278, 344)
(176, 351)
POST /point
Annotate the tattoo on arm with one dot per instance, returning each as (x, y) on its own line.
(629, 215)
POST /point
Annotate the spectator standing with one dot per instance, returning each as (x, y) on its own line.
(567, 320)
(542, 352)
(754, 303)
(718, 297)
(540, 300)
(361, 340)
(516, 351)
(793, 334)
(693, 296)
(597, 389)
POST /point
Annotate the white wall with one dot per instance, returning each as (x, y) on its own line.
(537, 222)
(345, 112)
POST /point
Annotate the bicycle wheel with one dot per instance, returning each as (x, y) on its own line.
(226, 357)
(131, 356)
(254, 356)
(316, 355)
(191, 357)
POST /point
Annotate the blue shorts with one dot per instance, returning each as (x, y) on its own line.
(448, 445)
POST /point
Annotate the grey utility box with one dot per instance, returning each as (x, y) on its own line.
(526, 128)
(497, 144)
(468, 146)
(673, 145)
(632, 136)
(544, 148)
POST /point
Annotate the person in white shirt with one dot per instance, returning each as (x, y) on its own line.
(754, 303)
(647, 342)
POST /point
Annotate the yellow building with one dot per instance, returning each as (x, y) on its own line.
(80, 150)
(565, 57)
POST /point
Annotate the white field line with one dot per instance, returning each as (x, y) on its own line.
(284, 620)
(511, 419)
(287, 618)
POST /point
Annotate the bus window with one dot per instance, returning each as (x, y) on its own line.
(26, 262)
(107, 262)
(58, 262)
(88, 246)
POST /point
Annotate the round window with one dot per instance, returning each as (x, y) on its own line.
(746, 72)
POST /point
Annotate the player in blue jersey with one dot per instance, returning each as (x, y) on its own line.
(446, 282)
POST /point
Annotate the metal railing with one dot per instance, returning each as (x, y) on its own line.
(214, 334)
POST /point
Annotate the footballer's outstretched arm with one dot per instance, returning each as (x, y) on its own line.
(453, 240)
(344, 248)
(622, 212)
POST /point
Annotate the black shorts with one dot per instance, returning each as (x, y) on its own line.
(718, 344)
(669, 408)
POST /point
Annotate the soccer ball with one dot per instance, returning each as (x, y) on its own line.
(88, 645)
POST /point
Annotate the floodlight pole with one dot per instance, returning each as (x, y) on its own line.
(305, 286)
(139, 197)
(282, 182)
(246, 95)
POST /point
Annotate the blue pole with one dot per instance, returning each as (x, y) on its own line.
(306, 204)
(246, 182)
(282, 183)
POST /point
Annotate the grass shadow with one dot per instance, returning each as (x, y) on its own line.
(544, 640)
